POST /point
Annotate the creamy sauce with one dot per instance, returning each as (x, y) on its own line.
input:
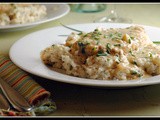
(106, 54)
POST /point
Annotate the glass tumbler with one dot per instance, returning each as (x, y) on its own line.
(88, 8)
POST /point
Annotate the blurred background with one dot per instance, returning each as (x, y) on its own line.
(135, 12)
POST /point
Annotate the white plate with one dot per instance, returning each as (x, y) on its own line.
(54, 11)
(25, 53)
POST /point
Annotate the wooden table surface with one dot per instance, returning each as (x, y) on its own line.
(85, 101)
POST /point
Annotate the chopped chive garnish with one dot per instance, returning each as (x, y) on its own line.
(156, 42)
(105, 36)
(80, 44)
(110, 35)
(96, 30)
(80, 33)
(129, 40)
(132, 37)
(96, 37)
(119, 35)
(131, 53)
(119, 45)
(133, 72)
(117, 60)
(134, 62)
(98, 42)
(150, 55)
(108, 46)
(102, 54)
(82, 47)
(94, 48)
(85, 35)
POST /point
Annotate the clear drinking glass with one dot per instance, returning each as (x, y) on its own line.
(88, 8)
(113, 17)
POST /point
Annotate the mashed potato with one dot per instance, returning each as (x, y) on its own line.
(106, 54)
(21, 13)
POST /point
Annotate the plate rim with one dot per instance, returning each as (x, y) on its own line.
(135, 83)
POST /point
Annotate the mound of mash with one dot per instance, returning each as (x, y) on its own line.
(21, 13)
(106, 54)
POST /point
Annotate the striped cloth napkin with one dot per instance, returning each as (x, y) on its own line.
(22, 82)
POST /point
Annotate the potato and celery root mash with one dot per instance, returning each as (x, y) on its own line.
(11, 14)
(106, 54)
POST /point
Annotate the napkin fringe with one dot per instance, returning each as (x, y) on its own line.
(39, 98)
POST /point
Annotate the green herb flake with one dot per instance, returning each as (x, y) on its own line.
(80, 33)
(110, 35)
(85, 35)
(150, 55)
(108, 59)
(96, 37)
(87, 43)
(156, 42)
(98, 42)
(93, 49)
(80, 44)
(119, 34)
(96, 30)
(117, 60)
(134, 62)
(133, 72)
(99, 33)
(132, 37)
(129, 40)
(140, 75)
(102, 54)
(131, 53)
(82, 47)
(105, 36)
(108, 47)
(118, 45)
